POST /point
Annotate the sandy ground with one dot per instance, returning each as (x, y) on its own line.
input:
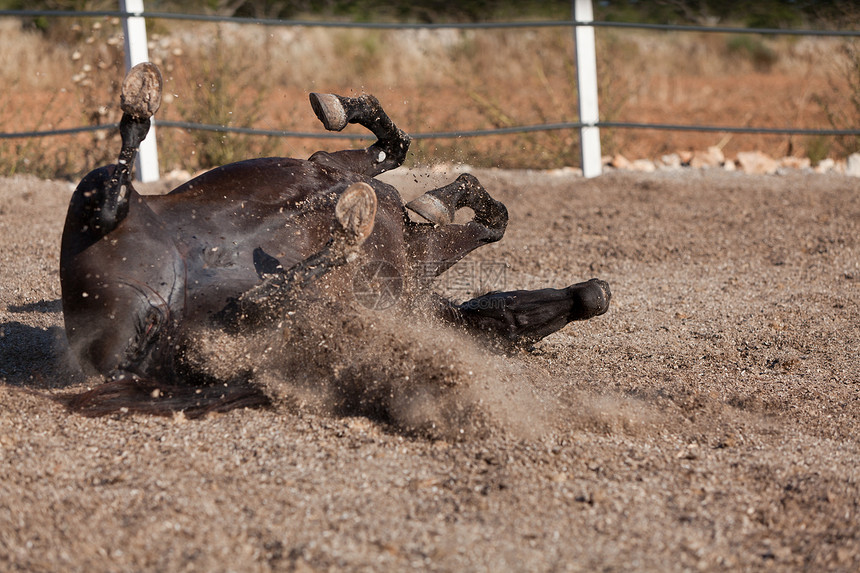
(709, 421)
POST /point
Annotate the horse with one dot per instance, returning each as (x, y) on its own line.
(238, 246)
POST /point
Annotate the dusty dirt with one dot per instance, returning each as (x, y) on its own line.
(709, 421)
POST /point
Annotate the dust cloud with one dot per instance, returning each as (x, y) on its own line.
(405, 369)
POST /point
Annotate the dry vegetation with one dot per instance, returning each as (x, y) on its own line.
(428, 80)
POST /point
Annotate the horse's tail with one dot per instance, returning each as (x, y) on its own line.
(136, 395)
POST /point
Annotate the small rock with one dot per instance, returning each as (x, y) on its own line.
(566, 172)
(620, 162)
(644, 165)
(671, 161)
(825, 165)
(713, 157)
(757, 163)
(853, 166)
(795, 162)
(178, 175)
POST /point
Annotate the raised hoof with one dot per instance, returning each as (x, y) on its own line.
(356, 212)
(432, 208)
(329, 110)
(141, 91)
(593, 298)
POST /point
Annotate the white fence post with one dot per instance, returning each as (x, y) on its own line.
(136, 52)
(586, 83)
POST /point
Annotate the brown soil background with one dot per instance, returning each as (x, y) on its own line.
(709, 421)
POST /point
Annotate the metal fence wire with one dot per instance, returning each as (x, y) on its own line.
(403, 26)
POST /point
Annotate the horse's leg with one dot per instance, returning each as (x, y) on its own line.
(523, 317)
(335, 112)
(439, 245)
(355, 212)
(104, 194)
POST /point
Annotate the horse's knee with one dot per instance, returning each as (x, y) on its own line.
(440, 205)
(96, 207)
(494, 217)
(391, 147)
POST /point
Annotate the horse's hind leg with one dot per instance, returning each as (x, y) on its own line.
(440, 205)
(355, 213)
(439, 245)
(526, 316)
(335, 112)
(105, 196)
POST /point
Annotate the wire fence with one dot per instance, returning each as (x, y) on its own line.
(419, 26)
(424, 26)
(569, 125)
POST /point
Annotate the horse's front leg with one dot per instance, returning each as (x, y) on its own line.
(525, 316)
(336, 112)
(266, 302)
(436, 246)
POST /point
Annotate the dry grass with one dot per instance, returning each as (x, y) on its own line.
(428, 81)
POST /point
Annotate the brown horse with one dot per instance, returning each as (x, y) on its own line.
(236, 246)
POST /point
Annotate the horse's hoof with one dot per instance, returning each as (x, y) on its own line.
(356, 212)
(593, 298)
(432, 208)
(141, 91)
(330, 111)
